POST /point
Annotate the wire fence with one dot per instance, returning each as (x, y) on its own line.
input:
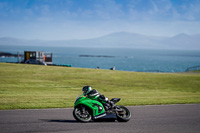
(156, 71)
(195, 68)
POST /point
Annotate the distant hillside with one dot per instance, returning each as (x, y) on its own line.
(118, 39)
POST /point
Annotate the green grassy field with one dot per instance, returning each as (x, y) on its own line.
(33, 86)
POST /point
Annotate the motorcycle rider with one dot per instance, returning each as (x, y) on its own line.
(95, 95)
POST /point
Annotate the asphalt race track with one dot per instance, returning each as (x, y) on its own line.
(183, 118)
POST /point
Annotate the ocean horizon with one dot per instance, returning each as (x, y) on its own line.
(123, 59)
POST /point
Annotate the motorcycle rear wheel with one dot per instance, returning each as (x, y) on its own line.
(81, 116)
(123, 116)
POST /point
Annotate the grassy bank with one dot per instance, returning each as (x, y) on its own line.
(32, 86)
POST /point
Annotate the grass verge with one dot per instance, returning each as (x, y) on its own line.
(33, 86)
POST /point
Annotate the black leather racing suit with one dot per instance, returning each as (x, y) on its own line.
(94, 94)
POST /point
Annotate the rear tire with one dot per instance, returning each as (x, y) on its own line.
(123, 116)
(81, 116)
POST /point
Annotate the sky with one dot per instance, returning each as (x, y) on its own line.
(84, 19)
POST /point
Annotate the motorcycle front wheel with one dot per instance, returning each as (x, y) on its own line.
(82, 115)
(124, 115)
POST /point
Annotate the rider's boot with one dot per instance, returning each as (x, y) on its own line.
(112, 105)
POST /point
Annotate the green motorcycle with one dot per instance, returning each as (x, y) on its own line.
(86, 109)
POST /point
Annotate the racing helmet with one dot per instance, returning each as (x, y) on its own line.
(86, 90)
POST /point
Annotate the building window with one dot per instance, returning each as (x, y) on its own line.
(33, 54)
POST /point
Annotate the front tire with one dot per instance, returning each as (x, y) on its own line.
(82, 116)
(124, 115)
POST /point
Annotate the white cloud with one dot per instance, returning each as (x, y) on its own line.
(67, 20)
(193, 12)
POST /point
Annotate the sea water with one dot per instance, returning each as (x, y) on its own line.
(123, 59)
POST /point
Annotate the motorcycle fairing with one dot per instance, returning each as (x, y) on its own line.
(95, 106)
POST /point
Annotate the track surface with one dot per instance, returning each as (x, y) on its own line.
(145, 119)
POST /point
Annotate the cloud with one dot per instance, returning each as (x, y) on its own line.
(103, 10)
(193, 12)
(165, 10)
(69, 19)
(108, 9)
